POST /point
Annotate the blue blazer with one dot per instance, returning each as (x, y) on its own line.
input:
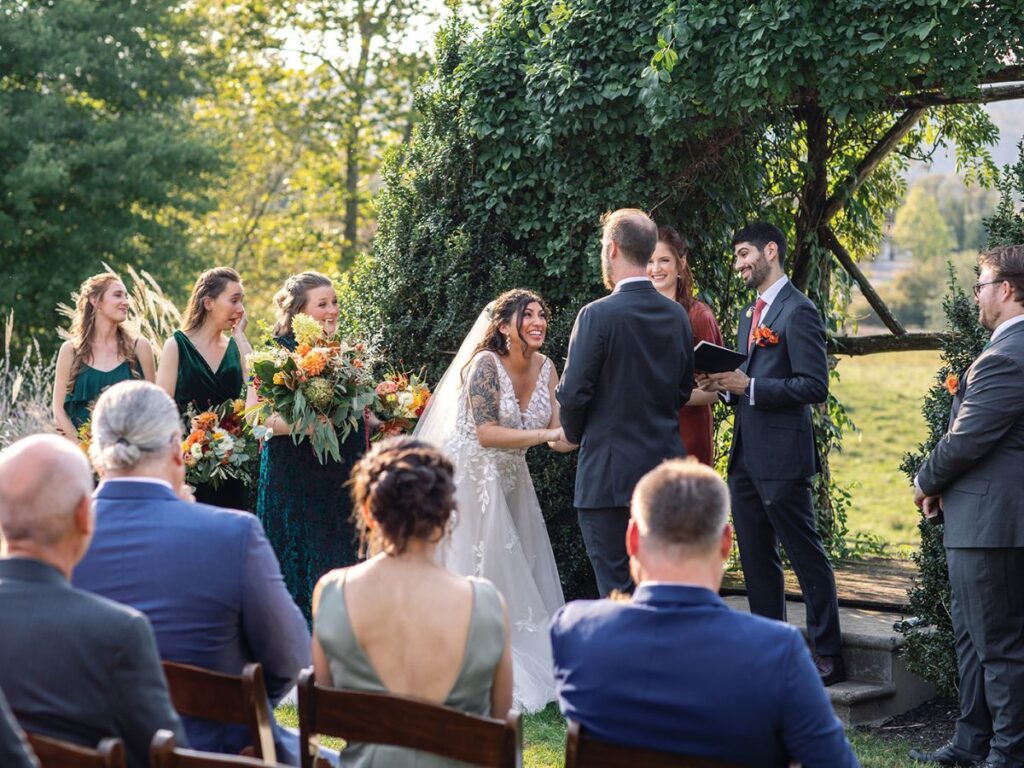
(675, 669)
(210, 584)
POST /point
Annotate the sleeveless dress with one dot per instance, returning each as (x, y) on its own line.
(500, 532)
(351, 669)
(205, 388)
(305, 507)
(89, 385)
(697, 424)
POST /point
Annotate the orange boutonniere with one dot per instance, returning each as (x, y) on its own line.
(765, 336)
(952, 384)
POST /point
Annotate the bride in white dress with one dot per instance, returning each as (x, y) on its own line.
(495, 401)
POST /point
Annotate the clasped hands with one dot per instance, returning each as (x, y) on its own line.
(734, 382)
(560, 444)
(930, 506)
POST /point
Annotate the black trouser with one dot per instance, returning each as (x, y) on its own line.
(604, 534)
(987, 587)
(766, 512)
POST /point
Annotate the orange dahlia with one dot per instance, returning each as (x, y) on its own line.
(313, 363)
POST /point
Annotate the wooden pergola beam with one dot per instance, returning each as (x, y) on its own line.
(830, 241)
(885, 342)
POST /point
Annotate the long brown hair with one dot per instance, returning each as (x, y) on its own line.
(679, 248)
(209, 285)
(83, 326)
(291, 299)
(510, 305)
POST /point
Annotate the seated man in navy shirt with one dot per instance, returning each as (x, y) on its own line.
(674, 669)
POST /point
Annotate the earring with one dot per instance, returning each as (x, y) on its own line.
(508, 342)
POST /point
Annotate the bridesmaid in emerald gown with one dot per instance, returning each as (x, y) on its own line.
(100, 351)
(304, 505)
(203, 363)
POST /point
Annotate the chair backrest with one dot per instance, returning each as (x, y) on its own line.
(164, 754)
(584, 751)
(377, 718)
(54, 753)
(239, 699)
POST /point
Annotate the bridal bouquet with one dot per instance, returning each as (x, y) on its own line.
(401, 399)
(85, 436)
(218, 446)
(320, 388)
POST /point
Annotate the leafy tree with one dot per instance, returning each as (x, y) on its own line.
(1006, 226)
(98, 161)
(963, 205)
(920, 227)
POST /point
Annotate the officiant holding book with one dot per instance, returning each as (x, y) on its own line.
(773, 457)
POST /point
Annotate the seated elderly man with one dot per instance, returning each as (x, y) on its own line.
(674, 668)
(73, 665)
(206, 577)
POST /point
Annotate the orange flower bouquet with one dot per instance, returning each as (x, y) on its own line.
(765, 336)
(320, 388)
(401, 398)
(218, 445)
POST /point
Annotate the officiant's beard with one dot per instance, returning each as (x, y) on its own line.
(606, 269)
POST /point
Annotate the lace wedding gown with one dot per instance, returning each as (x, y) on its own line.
(500, 533)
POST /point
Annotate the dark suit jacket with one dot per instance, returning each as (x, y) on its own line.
(675, 669)
(978, 465)
(77, 666)
(774, 438)
(208, 581)
(628, 370)
(14, 750)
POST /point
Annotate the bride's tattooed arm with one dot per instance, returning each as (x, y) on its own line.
(484, 390)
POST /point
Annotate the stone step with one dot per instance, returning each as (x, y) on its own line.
(879, 685)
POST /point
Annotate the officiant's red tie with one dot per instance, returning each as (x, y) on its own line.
(759, 306)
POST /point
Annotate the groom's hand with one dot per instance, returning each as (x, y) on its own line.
(705, 383)
(735, 382)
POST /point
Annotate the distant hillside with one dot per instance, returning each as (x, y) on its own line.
(1009, 118)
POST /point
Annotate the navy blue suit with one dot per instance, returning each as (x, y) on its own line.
(675, 669)
(211, 586)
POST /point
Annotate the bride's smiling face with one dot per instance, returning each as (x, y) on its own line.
(531, 328)
(322, 306)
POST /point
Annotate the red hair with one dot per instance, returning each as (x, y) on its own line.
(677, 244)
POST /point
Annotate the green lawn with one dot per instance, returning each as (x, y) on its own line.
(883, 395)
(544, 742)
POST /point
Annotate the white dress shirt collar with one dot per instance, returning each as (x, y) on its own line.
(1005, 326)
(773, 290)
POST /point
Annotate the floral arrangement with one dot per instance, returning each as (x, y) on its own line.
(952, 384)
(85, 437)
(218, 446)
(320, 388)
(765, 336)
(401, 398)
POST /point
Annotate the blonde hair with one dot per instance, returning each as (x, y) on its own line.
(291, 299)
(83, 326)
(133, 421)
(209, 285)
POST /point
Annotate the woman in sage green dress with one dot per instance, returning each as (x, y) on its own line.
(303, 504)
(100, 351)
(203, 364)
(400, 623)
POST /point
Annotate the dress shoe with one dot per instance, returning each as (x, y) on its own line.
(831, 668)
(947, 754)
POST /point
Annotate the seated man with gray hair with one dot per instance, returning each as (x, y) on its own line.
(674, 669)
(206, 577)
(73, 665)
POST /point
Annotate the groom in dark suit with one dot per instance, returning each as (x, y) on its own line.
(773, 456)
(628, 371)
(974, 476)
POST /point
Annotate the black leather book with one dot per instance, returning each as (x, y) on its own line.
(711, 358)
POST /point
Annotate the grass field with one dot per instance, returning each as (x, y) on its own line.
(544, 742)
(883, 395)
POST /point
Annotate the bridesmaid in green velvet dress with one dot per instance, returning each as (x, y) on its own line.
(100, 351)
(304, 505)
(203, 364)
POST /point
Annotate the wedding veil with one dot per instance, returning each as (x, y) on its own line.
(438, 419)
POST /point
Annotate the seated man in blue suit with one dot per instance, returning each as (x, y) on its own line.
(674, 669)
(206, 577)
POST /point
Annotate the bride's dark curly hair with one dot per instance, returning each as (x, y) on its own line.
(402, 489)
(507, 309)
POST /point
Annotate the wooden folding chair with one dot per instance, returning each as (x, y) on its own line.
(584, 751)
(241, 699)
(55, 753)
(376, 718)
(164, 754)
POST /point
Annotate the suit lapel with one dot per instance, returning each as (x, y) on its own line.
(770, 316)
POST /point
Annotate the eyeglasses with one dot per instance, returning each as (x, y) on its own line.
(979, 286)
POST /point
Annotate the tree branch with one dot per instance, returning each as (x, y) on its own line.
(984, 95)
(871, 161)
(871, 345)
(830, 241)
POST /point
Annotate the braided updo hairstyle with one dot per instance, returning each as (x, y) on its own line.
(402, 489)
(291, 299)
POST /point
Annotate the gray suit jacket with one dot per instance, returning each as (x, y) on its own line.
(774, 437)
(628, 371)
(79, 667)
(978, 465)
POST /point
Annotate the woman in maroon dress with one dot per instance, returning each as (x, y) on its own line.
(669, 270)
